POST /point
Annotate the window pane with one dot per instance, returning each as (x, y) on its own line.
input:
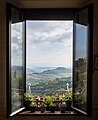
(16, 61)
(80, 80)
(49, 57)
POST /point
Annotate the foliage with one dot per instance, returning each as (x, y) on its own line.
(63, 104)
(33, 104)
(52, 84)
(52, 104)
(68, 95)
(27, 97)
(33, 107)
(49, 100)
(42, 104)
(62, 96)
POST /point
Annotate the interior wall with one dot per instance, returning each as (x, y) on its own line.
(95, 52)
(3, 73)
(49, 3)
(2, 58)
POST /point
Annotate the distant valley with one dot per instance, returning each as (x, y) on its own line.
(47, 79)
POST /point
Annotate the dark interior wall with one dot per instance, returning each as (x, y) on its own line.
(2, 59)
(95, 52)
(3, 73)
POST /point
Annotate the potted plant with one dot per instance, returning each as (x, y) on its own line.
(43, 107)
(27, 100)
(68, 104)
(33, 107)
(63, 107)
(47, 102)
(52, 107)
(68, 99)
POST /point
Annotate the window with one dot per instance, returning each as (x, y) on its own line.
(16, 62)
(21, 55)
(48, 57)
(82, 62)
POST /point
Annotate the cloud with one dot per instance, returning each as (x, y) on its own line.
(16, 43)
(50, 42)
(48, 25)
(47, 42)
(49, 32)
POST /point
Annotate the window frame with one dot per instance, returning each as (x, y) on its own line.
(41, 14)
(8, 59)
(89, 58)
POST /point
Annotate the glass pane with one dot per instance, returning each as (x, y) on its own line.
(80, 80)
(49, 57)
(16, 61)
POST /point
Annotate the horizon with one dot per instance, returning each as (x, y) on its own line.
(33, 66)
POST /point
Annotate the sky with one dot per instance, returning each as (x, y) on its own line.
(81, 41)
(49, 43)
(17, 44)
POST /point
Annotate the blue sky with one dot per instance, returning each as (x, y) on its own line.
(49, 43)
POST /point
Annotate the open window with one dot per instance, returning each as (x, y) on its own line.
(82, 54)
(15, 58)
(82, 61)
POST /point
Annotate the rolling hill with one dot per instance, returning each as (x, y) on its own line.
(48, 80)
(58, 70)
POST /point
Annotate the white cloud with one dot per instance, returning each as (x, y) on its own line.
(49, 43)
(16, 43)
(51, 31)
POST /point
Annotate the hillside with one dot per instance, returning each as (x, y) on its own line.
(28, 71)
(58, 70)
(49, 81)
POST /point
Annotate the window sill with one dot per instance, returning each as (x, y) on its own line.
(29, 113)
